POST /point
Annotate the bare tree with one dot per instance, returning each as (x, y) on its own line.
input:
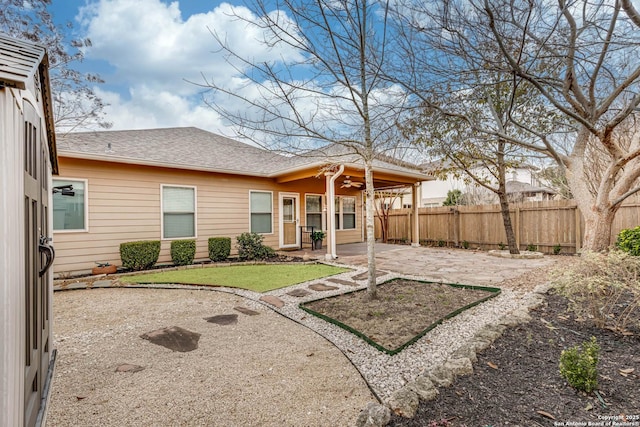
(76, 105)
(580, 56)
(384, 202)
(328, 92)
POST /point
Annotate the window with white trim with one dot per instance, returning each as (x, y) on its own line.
(70, 205)
(313, 210)
(178, 212)
(345, 213)
(261, 207)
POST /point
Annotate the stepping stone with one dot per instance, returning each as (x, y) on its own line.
(223, 319)
(343, 282)
(174, 338)
(245, 310)
(320, 287)
(299, 293)
(274, 301)
(127, 367)
(363, 276)
(102, 284)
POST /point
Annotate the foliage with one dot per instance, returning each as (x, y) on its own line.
(629, 241)
(454, 198)
(258, 278)
(76, 104)
(183, 251)
(578, 365)
(502, 246)
(139, 255)
(556, 249)
(603, 287)
(219, 248)
(317, 235)
(532, 248)
(441, 243)
(465, 244)
(250, 247)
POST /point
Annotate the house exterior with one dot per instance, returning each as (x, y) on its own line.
(522, 186)
(27, 160)
(176, 183)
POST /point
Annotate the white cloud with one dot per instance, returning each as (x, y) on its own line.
(149, 109)
(154, 53)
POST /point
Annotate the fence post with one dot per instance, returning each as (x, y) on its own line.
(578, 219)
(517, 226)
(456, 227)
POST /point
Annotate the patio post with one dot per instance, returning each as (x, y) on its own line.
(415, 228)
(330, 178)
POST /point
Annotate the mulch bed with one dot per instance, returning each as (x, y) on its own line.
(403, 310)
(516, 380)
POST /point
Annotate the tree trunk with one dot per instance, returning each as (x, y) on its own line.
(371, 238)
(597, 230)
(506, 220)
(504, 202)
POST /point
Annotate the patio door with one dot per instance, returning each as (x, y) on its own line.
(289, 219)
(36, 285)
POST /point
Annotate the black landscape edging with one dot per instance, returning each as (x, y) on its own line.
(495, 292)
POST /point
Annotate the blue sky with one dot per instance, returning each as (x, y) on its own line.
(147, 50)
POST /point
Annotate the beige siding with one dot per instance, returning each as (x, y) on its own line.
(124, 205)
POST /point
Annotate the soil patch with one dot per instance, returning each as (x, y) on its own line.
(403, 310)
(516, 380)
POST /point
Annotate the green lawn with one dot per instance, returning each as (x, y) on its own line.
(258, 278)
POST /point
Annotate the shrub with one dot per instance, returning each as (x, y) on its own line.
(629, 241)
(532, 248)
(556, 249)
(250, 247)
(219, 248)
(183, 251)
(578, 365)
(502, 246)
(602, 287)
(465, 244)
(441, 243)
(139, 255)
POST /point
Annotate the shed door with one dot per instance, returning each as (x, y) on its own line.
(36, 172)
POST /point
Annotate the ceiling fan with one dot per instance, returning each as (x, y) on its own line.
(347, 183)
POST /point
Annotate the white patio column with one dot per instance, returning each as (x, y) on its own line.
(330, 179)
(415, 228)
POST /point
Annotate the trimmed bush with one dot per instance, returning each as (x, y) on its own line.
(578, 365)
(250, 247)
(139, 255)
(219, 248)
(629, 241)
(183, 251)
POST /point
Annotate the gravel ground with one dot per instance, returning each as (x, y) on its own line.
(265, 370)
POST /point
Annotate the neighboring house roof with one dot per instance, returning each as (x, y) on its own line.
(196, 149)
(514, 187)
(19, 62)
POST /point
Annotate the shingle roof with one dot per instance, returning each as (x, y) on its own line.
(193, 148)
(186, 148)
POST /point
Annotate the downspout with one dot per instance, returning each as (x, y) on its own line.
(331, 197)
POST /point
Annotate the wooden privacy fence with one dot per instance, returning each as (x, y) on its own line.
(543, 224)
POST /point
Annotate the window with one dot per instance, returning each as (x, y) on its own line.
(69, 205)
(178, 212)
(313, 209)
(345, 213)
(261, 212)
